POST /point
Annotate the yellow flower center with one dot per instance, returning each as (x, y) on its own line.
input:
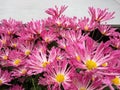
(47, 39)
(17, 62)
(82, 88)
(78, 57)
(9, 32)
(86, 28)
(105, 64)
(44, 64)
(5, 57)
(90, 64)
(58, 58)
(23, 71)
(58, 23)
(14, 45)
(3, 41)
(27, 52)
(60, 78)
(116, 81)
(1, 82)
(98, 19)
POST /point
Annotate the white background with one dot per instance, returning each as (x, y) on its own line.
(26, 10)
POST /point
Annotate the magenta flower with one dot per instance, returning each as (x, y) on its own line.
(10, 27)
(5, 77)
(48, 36)
(86, 24)
(55, 12)
(16, 58)
(16, 87)
(57, 74)
(39, 60)
(19, 71)
(99, 15)
(107, 30)
(115, 41)
(26, 48)
(92, 56)
(84, 81)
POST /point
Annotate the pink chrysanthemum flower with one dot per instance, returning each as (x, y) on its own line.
(62, 43)
(26, 48)
(48, 36)
(16, 87)
(74, 36)
(86, 24)
(115, 41)
(5, 77)
(99, 15)
(10, 27)
(19, 71)
(24, 35)
(55, 13)
(93, 56)
(39, 60)
(4, 40)
(35, 27)
(16, 58)
(4, 54)
(57, 74)
(107, 30)
(14, 43)
(84, 81)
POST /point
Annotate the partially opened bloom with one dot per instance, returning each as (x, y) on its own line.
(19, 71)
(58, 73)
(107, 30)
(99, 15)
(86, 24)
(10, 27)
(48, 36)
(5, 77)
(115, 41)
(34, 27)
(55, 13)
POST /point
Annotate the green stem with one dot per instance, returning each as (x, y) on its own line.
(100, 38)
(33, 84)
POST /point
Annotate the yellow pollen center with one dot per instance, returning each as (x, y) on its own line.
(9, 32)
(60, 78)
(78, 57)
(97, 19)
(17, 61)
(27, 52)
(58, 23)
(86, 28)
(1, 82)
(116, 81)
(58, 58)
(14, 45)
(44, 64)
(82, 88)
(5, 57)
(3, 41)
(105, 64)
(23, 71)
(47, 39)
(90, 64)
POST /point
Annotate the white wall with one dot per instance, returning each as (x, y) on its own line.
(25, 10)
